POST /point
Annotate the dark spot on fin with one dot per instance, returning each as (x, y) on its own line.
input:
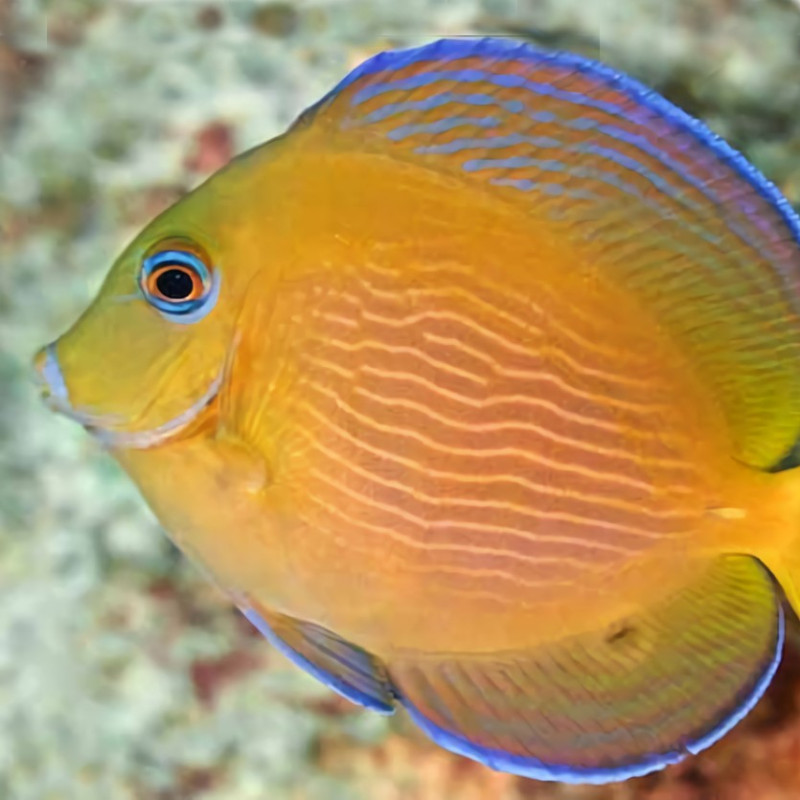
(619, 632)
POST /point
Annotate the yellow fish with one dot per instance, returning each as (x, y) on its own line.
(478, 391)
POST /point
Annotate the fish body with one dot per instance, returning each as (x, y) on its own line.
(474, 391)
(387, 387)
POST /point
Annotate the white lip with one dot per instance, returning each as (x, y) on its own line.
(102, 427)
(141, 440)
(53, 377)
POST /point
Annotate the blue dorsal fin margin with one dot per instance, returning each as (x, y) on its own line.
(445, 50)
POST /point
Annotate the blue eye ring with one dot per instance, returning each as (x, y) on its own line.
(177, 281)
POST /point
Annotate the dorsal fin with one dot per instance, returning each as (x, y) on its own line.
(653, 198)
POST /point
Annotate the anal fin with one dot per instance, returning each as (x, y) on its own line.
(608, 705)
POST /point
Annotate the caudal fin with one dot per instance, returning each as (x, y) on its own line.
(777, 542)
(785, 566)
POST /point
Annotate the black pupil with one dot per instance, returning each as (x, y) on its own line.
(175, 284)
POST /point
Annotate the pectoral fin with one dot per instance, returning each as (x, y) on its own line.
(344, 667)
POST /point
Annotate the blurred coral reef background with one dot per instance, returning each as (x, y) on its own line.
(123, 674)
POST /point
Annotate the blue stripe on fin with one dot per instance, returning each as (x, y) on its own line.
(481, 76)
(442, 125)
(495, 143)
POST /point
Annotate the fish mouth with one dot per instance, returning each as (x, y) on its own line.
(55, 394)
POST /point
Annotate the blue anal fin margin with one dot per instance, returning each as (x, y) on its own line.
(347, 669)
(589, 709)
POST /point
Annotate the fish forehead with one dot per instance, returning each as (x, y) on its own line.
(492, 435)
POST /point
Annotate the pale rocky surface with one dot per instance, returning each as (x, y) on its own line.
(123, 675)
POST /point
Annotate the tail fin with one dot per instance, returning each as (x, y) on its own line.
(779, 545)
(785, 566)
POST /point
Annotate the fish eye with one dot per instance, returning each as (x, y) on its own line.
(175, 282)
(177, 279)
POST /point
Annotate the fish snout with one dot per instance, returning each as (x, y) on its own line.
(50, 379)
